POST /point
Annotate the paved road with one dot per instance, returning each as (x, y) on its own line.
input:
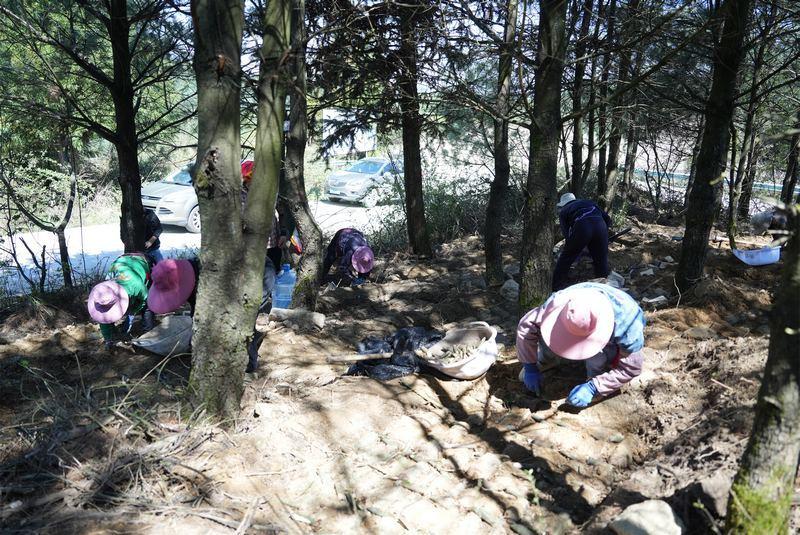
(93, 248)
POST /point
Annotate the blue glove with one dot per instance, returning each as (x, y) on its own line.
(532, 378)
(582, 395)
(128, 325)
(358, 281)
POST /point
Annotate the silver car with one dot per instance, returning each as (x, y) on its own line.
(173, 200)
(367, 181)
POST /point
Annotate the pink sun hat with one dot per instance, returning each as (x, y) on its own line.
(173, 283)
(577, 324)
(108, 302)
(363, 259)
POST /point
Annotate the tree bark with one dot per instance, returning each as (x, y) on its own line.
(502, 166)
(540, 191)
(411, 122)
(293, 187)
(704, 199)
(619, 112)
(792, 167)
(225, 311)
(693, 166)
(631, 144)
(602, 112)
(576, 182)
(126, 141)
(762, 491)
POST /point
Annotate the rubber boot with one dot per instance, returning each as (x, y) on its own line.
(148, 320)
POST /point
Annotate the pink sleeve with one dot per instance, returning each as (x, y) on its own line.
(528, 336)
(627, 368)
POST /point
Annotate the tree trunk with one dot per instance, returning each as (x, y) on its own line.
(693, 166)
(631, 143)
(537, 238)
(602, 112)
(418, 236)
(619, 112)
(293, 187)
(762, 491)
(225, 312)
(576, 182)
(746, 193)
(792, 167)
(590, 147)
(502, 167)
(126, 141)
(705, 196)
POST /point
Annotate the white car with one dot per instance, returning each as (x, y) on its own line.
(174, 200)
(366, 181)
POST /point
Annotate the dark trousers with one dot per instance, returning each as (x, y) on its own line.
(270, 271)
(591, 233)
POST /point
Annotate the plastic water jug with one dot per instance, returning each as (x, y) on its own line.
(284, 286)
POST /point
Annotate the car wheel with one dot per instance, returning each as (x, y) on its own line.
(193, 221)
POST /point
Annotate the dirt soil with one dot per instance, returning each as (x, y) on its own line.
(97, 442)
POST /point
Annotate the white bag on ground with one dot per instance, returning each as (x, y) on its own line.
(478, 362)
(173, 336)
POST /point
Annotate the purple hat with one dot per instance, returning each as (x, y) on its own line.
(107, 302)
(173, 283)
(363, 259)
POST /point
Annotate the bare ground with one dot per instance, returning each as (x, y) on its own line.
(99, 443)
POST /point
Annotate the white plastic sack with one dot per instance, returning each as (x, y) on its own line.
(173, 336)
(758, 257)
(482, 357)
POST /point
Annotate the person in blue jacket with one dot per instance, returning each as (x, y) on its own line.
(583, 225)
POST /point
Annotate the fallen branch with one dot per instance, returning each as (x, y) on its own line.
(355, 357)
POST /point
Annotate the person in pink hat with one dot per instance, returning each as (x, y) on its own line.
(122, 295)
(352, 255)
(592, 322)
(174, 283)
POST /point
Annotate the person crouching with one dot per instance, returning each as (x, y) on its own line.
(592, 322)
(122, 295)
(352, 255)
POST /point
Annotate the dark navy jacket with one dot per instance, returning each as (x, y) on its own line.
(580, 210)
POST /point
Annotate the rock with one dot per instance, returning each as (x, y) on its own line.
(669, 259)
(511, 271)
(510, 290)
(616, 280)
(621, 457)
(713, 492)
(469, 281)
(700, 333)
(484, 467)
(763, 329)
(616, 438)
(298, 317)
(651, 517)
(649, 272)
(660, 300)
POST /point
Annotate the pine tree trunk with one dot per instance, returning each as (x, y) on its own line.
(220, 333)
(126, 143)
(602, 112)
(411, 122)
(792, 167)
(502, 166)
(761, 495)
(537, 238)
(576, 182)
(631, 143)
(704, 199)
(693, 166)
(620, 114)
(293, 187)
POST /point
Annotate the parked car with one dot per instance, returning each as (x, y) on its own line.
(367, 181)
(173, 200)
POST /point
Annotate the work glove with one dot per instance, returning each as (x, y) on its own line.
(128, 325)
(582, 395)
(532, 378)
(358, 281)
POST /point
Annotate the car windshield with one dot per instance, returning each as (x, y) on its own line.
(366, 167)
(182, 177)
